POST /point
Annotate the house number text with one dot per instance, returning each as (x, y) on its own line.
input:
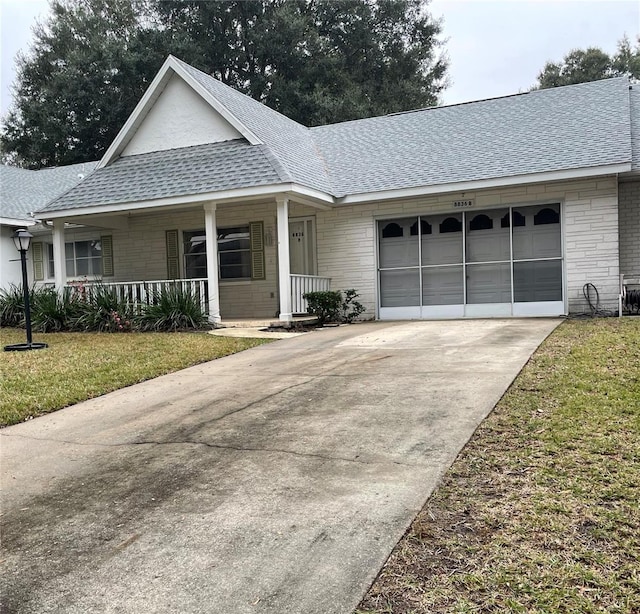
(460, 204)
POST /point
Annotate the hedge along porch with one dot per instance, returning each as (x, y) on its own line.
(236, 256)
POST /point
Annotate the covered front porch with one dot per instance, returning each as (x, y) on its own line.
(251, 259)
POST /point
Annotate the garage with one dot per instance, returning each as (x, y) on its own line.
(472, 263)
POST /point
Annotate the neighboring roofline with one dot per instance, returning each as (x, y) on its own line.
(170, 67)
(310, 196)
(16, 221)
(481, 184)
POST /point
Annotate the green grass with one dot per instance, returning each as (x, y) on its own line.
(80, 366)
(540, 512)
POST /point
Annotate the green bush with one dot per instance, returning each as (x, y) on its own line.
(351, 309)
(97, 308)
(172, 309)
(333, 306)
(50, 312)
(12, 306)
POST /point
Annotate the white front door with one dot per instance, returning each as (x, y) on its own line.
(302, 246)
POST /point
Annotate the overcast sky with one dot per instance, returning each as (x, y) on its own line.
(496, 47)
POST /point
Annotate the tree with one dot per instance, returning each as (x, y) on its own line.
(582, 65)
(86, 70)
(316, 61)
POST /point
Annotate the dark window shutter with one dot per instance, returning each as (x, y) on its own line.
(106, 243)
(173, 256)
(37, 256)
(256, 235)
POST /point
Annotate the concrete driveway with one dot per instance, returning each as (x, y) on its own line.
(275, 480)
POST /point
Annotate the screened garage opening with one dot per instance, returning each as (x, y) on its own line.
(499, 262)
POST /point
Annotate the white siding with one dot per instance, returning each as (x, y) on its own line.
(347, 240)
(629, 197)
(179, 118)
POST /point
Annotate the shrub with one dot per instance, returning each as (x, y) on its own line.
(325, 305)
(172, 309)
(351, 308)
(12, 306)
(332, 306)
(50, 312)
(97, 308)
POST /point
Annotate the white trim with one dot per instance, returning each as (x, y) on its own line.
(400, 313)
(228, 196)
(170, 67)
(59, 256)
(284, 270)
(487, 310)
(442, 312)
(211, 241)
(540, 309)
(14, 221)
(480, 184)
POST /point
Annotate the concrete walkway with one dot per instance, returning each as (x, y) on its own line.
(276, 480)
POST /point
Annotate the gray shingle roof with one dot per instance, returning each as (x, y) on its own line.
(573, 127)
(291, 143)
(546, 130)
(23, 191)
(176, 172)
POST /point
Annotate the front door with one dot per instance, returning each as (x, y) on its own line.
(302, 246)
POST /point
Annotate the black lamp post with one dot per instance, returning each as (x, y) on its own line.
(22, 239)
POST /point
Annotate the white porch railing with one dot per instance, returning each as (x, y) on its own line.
(136, 293)
(301, 284)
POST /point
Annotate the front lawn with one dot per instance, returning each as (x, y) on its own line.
(80, 366)
(540, 512)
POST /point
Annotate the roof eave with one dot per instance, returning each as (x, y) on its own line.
(16, 221)
(481, 184)
(294, 191)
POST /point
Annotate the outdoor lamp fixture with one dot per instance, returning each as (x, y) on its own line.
(22, 239)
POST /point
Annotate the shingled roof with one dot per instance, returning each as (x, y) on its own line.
(23, 191)
(541, 131)
(569, 128)
(174, 172)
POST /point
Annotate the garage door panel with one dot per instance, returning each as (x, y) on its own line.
(400, 288)
(442, 286)
(489, 283)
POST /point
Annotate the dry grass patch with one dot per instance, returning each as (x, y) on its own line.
(540, 512)
(80, 366)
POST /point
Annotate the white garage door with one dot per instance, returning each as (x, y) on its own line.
(498, 262)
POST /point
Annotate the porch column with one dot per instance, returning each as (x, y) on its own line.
(59, 259)
(211, 234)
(284, 276)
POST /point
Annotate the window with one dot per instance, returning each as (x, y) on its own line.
(234, 253)
(518, 220)
(546, 216)
(451, 224)
(425, 228)
(481, 222)
(83, 258)
(392, 230)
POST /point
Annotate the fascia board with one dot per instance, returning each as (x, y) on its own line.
(499, 182)
(170, 67)
(192, 199)
(15, 221)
